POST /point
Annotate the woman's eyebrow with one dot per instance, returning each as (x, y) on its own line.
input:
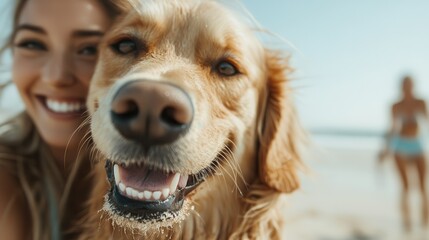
(77, 33)
(30, 27)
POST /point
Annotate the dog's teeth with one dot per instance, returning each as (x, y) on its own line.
(135, 193)
(174, 183)
(165, 192)
(156, 195)
(116, 173)
(129, 191)
(140, 195)
(183, 181)
(147, 194)
(122, 187)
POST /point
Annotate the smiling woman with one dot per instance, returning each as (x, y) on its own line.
(44, 152)
(58, 60)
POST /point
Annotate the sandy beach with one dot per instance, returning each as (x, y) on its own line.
(345, 195)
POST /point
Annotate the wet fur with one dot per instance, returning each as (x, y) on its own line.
(244, 200)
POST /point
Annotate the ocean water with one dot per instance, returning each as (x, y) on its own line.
(362, 142)
(348, 142)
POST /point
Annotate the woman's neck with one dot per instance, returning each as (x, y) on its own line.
(408, 97)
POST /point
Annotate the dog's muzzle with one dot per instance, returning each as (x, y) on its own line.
(149, 114)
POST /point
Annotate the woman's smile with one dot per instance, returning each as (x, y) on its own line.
(63, 108)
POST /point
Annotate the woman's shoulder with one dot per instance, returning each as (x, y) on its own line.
(421, 102)
(396, 107)
(415, 104)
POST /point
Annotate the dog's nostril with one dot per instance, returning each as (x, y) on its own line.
(125, 109)
(169, 115)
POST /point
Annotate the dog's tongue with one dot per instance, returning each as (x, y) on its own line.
(141, 178)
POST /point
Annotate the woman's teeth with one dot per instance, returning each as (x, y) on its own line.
(65, 107)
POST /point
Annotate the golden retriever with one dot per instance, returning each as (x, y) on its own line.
(195, 122)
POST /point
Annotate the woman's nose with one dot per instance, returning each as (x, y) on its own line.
(58, 70)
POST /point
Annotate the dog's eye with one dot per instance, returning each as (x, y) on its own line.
(226, 68)
(125, 46)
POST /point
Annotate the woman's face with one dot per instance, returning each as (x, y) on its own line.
(54, 54)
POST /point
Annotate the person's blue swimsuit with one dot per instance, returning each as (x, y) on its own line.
(407, 146)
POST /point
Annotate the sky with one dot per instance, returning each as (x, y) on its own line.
(349, 55)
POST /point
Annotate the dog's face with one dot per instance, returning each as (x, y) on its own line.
(181, 91)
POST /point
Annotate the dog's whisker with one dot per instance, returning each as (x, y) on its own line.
(85, 143)
(235, 162)
(232, 175)
(230, 160)
(83, 124)
(208, 172)
(228, 157)
(222, 175)
(76, 164)
(79, 128)
(90, 147)
(94, 153)
(86, 139)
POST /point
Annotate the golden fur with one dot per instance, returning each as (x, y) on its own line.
(250, 114)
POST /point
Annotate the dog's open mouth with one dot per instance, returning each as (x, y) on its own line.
(143, 193)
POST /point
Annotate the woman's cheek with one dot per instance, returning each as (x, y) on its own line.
(85, 70)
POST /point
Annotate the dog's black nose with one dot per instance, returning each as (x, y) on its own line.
(151, 113)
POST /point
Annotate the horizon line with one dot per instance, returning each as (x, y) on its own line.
(346, 132)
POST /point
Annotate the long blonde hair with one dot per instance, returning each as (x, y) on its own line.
(22, 153)
(25, 155)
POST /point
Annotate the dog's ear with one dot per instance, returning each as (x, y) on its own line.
(278, 128)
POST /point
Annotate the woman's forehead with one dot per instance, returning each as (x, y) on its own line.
(64, 14)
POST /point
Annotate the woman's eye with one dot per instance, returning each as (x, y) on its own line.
(125, 46)
(89, 51)
(226, 68)
(31, 45)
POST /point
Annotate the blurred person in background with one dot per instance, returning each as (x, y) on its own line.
(45, 172)
(405, 142)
